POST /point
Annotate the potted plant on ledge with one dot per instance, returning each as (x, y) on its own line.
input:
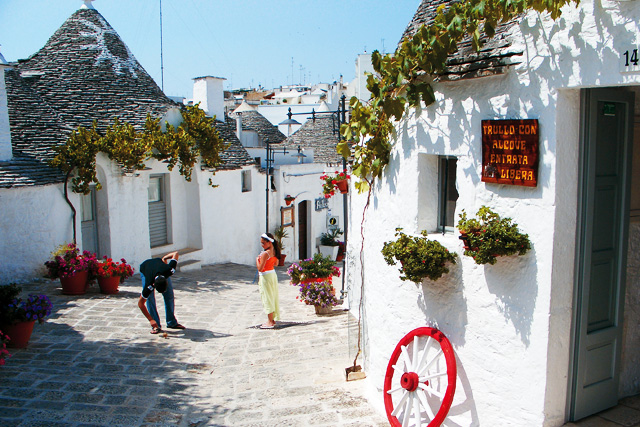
(339, 180)
(73, 269)
(17, 316)
(314, 278)
(329, 244)
(111, 274)
(487, 236)
(419, 257)
(279, 234)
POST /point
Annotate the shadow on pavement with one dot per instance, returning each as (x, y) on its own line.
(283, 325)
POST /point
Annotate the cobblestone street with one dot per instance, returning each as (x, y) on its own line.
(94, 362)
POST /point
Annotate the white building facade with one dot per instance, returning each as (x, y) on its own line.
(549, 336)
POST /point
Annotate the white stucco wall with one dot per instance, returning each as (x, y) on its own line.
(509, 323)
(232, 221)
(34, 221)
(303, 182)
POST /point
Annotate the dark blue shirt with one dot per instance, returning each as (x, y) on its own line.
(152, 268)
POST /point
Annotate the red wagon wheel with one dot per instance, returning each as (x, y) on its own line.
(420, 380)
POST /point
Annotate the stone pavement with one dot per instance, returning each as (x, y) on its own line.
(94, 363)
(626, 414)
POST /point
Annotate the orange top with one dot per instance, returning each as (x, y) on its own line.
(270, 264)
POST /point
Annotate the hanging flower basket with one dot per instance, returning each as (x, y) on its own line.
(339, 180)
(418, 256)
(343, 186)
(487, 236)
(289, 199)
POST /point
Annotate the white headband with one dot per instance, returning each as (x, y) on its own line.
(265, 237)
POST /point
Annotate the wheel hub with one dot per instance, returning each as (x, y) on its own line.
(409, 381)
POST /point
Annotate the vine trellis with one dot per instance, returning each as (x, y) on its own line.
(195, 138)
(403, 80)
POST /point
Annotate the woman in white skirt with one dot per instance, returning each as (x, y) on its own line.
(268, 282)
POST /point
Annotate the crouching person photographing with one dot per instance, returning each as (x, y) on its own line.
(155, 275)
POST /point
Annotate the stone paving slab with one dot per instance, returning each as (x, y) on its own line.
(94, 363)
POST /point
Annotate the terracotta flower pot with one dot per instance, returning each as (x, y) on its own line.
(323, 310)
(288, 201)
(20, 333)
(343, 186)
(76, 284)
(109, 285)
(281, 262)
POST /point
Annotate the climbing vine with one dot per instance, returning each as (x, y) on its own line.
(196, 137)
(404, 78)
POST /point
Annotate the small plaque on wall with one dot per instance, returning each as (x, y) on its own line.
(286, 216)
(510, 152)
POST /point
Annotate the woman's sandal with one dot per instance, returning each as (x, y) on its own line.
(155, 331)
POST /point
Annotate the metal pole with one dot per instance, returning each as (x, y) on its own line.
(161, 58)
(345, 200)
(266, 224)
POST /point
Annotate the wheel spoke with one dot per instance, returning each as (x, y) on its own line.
(414, 359)
(398, 407)
(395, 389)
(428, 377)
(431, 390)
(407, 410)
(424, 354)
(416, 410)
(399, 368)
(406, 358)
(426, 368)
(425, 404)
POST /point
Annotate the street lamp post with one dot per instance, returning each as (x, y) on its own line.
(269, 160)
(341, 117)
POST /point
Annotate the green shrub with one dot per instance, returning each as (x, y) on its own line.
(419, 257)
(487, 236)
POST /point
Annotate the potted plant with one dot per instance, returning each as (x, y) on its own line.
(487, 236)
(419, 257)
(329, 244)
(288, 199)
(72, 268)
(111, 274)
(4, 339)
(18, 316)
(338, 180)
(314, 278)
(341, 251)
(279, 234)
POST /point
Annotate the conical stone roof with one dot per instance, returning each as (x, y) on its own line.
(86, 64)
(84, 73)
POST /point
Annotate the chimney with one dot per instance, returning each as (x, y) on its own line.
(209, 93)
(6, 152)
(87, 4)
(239, 126)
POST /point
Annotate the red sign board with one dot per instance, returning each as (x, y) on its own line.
(510, 152)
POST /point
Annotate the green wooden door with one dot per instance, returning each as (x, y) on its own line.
(602, 242)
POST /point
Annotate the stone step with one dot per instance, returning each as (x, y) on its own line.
(189, 265)
(187, 258)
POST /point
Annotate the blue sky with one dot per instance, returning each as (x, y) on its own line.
(248, 42)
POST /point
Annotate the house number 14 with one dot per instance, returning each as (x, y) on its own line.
(630, 60)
